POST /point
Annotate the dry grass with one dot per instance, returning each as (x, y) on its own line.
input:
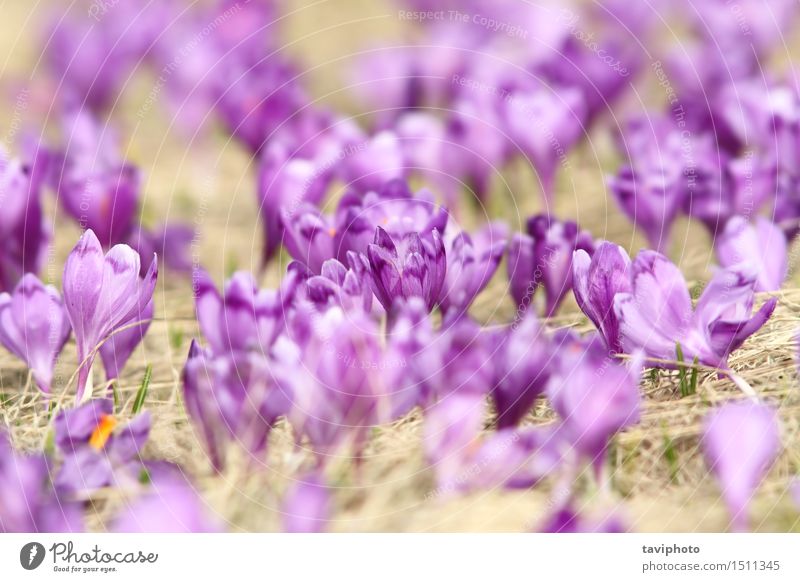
(658, 473)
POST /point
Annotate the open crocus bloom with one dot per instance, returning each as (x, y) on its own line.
(34, 327)
(103, 293)
(96, 453)
(544, 257)
(410, 267)
(741, 441)
(657, 314)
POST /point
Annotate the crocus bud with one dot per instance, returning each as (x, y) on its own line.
(522, 368)
(101, 294)
(411, 267)
(34, 327)
(740, 442)
(544, 258)
(596, 281)
(595, 395)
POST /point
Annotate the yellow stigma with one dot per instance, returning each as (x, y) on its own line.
(332, 231)
(103, 431)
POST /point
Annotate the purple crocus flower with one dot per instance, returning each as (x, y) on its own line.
(350, 288)
(522, 370)
(95, 452)
(595, 395)
(539, 118)
(171, 506)
(741, 441)
(517, 458)
(377, 161)
(34, 327)
(544, 257)
(101, 294)
(657, 314)
(475, 120)
(285, 184)
(243, 317)
(414, 266)
(339, 386)
(94, 185)
(28, 503)
(666, 172)
(308, 236)
(470, 267)
(760, 247)
(234, 397)
(596, 280)
(24, 234)
(306, 506)
(256, 99)
(394, 208)
(118, 348)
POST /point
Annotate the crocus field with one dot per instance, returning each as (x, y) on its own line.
(399, 265)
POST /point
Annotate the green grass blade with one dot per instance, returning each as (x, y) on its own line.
(142, 393)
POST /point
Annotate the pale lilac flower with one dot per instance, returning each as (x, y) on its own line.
(96, 187)
(523, 359)
(171, 506)
(741, 442)
(95, 452)
(595, 395)
(101, 294)
(596, 281)
(306, 505)
(411, 267)
(28, 503)
(234, 398)
(543, 257)
(657, 314)
(34, 327)
(760, 247)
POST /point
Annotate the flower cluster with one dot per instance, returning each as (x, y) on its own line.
(375, 318)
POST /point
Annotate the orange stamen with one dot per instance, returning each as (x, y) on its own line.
(103, 431)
